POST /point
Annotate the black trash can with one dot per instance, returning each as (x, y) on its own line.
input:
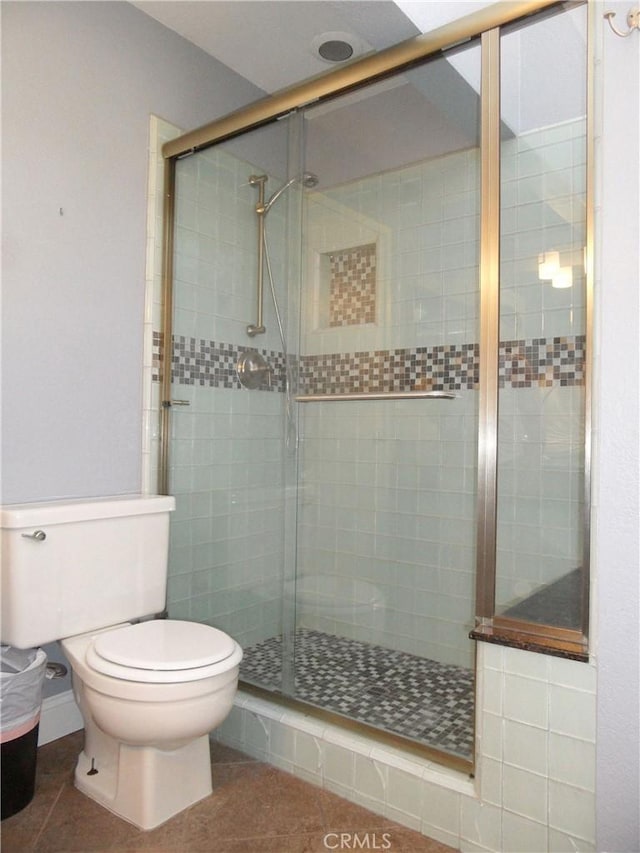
(22, 673)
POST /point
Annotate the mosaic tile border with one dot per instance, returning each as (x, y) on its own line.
(441, 368)
(542, 362)
(196, 361)
(415, 697)
(538, 363)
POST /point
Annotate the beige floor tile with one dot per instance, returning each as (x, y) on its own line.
(254, 808)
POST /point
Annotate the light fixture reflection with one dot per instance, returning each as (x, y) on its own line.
(548, 265)
(549, 269)
(563, 278)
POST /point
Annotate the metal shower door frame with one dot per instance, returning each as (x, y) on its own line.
(485, 24)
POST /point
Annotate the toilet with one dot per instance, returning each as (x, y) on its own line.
(92, 574)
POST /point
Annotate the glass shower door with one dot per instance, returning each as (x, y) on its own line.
(230, 464)
(388, 413)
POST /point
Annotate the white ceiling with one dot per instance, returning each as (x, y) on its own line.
(271, 42)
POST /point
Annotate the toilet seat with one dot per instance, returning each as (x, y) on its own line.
(163, 651)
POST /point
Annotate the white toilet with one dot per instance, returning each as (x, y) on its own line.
(149, 692)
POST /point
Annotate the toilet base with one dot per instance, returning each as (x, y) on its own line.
(146, 785)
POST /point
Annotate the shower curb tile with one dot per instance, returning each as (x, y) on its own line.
(345, 791)
(480, 822)
(452, 780)
(398, 761)
(402, 817)
(371, 778)
(307, 776)
(403, 793)
(470, 847)
(307, 752)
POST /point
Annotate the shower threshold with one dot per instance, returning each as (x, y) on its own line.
(427, 702)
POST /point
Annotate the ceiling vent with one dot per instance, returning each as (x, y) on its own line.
(337, 47)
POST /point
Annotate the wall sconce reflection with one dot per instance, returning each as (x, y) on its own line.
(549, 269)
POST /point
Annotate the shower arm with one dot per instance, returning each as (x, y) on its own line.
(258, 328)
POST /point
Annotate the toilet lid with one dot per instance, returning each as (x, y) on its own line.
(164, 644)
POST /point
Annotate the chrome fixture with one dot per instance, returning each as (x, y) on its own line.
(253, 369)
(258, 328)
(308, 180)
(374, 395)
(37, 535)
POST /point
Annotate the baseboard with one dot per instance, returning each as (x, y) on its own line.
(59, 717)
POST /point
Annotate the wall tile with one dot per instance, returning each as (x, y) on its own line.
(572, 810)
(572, 761)
(525, 701)
(572, 712)
(491, 735)
(520, 835)
(526, 747)
(490, 774)
(524, 793)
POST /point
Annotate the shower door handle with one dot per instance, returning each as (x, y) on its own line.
(169, 404)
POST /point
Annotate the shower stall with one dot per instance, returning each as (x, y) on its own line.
(374, 390)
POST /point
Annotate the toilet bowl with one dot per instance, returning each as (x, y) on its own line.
(92, 574)
(149, 694)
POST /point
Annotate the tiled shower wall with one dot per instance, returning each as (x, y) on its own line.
(227, 534)
(387, 501)
(541, 439)
(389, 495)
(387, 517)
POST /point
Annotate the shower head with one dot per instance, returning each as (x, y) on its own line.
(307, 179)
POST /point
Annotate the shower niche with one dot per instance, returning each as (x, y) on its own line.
(347, 267)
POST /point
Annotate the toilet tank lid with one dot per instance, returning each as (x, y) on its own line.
(164, 644)
(87, 509)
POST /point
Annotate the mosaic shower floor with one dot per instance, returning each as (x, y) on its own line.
(401, 693)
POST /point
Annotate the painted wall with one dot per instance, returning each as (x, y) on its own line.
(79, 83)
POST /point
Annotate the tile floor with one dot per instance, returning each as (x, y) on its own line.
(415, 697)
(254, 808)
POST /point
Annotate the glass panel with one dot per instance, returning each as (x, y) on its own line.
(228, 465)
(387, 491)
(539, 576)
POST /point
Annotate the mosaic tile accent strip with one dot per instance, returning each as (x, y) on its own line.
(442, 368)
(542, 362)
(352, 286)
(210, 364)
(538, 363)
(415, 697)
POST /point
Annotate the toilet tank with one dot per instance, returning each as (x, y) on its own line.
(69, 567)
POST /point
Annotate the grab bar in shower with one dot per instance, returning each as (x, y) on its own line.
(374, 395)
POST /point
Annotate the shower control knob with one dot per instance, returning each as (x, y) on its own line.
(38, 535)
